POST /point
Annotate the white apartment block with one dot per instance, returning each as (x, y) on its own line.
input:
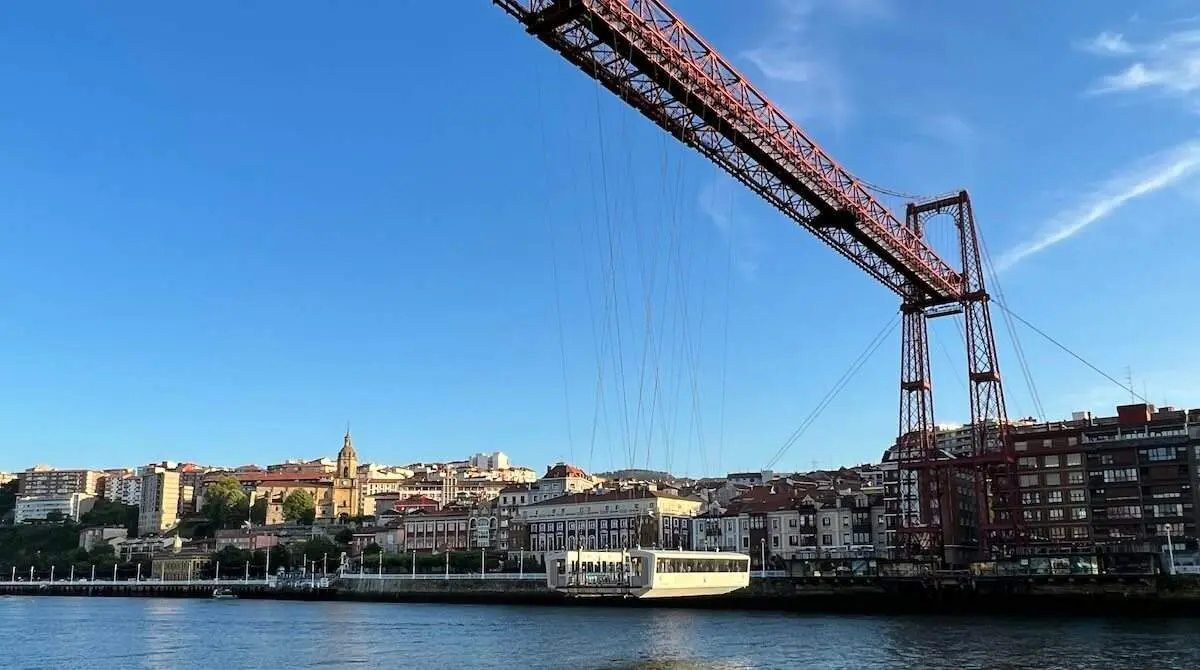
(125, 489)
(497, 460)
(39, 508)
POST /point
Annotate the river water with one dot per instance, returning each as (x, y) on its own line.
(66, 633)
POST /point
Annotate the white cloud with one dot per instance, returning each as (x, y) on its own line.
(1169, 65)
(811, 84)
(1148, 176)
(1108, 44)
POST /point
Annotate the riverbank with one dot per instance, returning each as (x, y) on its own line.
(1056, 597)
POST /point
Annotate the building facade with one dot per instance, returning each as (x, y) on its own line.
(613, 520)
(42, 480)
(62, 507)
(158, 508)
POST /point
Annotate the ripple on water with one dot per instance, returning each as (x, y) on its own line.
(203, 635)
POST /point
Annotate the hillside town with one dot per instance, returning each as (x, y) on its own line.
(1074, 475)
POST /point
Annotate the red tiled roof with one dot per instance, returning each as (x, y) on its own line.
(564, 470)
(263, 476)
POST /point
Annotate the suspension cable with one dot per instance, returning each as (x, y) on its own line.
(550, 230)
(1067, 349)
(837, 388)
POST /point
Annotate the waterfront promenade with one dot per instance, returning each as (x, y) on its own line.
(1123, 596)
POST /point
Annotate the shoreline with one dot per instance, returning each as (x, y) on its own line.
(831, 602)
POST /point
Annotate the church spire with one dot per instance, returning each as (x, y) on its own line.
(347, 459)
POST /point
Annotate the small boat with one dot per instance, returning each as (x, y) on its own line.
(224, 594)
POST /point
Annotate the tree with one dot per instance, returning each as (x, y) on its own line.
(258, 512)
(55, 516)
(231, 558)
(8, 496)
(300, 506)
(344, 536)
(224, 503)
(111, 514)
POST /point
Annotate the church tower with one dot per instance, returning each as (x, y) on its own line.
(347, 460)
(347, 496)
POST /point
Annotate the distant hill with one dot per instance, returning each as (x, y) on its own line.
(634, 473)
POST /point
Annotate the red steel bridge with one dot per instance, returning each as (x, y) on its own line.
(648, 56)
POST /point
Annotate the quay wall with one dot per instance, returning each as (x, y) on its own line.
(1140, 596)
(1071, 597)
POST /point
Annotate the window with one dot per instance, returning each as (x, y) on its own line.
(792, 523)
(1030, 498)
(1058, 532)
(1124, 512)
(1056, 514)
(825, 521)
(775, 524)
(1027, 463)
(1159, 454)
(1075, 477)
(1077, 495)
(1053, 479)
(1050, 461)
(1028, 480)
(1166, 509)
(827, 540)
(775, 541)
(1074, 459)
(1120, 475)
(1054, 497)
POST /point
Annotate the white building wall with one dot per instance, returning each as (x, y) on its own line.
(36, 508)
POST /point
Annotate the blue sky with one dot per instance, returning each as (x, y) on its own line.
(229, 231)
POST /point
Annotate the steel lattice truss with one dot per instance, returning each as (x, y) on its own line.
(652, 60)
(646, 55)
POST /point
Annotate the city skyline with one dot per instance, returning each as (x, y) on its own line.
(211, 280)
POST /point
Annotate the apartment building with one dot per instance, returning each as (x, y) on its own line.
(159, 504)
(47, 507)
(1129, 480)
(43, 480)
(122, 487)
(610, 520)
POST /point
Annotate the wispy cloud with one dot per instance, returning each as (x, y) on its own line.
(810, 84)
(716, 202)
(1107, 44)
(1146, 177)
(1168, 65)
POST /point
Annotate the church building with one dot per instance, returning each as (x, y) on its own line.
(347, 494)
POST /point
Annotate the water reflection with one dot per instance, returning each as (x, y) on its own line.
(207, 634)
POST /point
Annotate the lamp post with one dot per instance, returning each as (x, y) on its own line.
(762, 560)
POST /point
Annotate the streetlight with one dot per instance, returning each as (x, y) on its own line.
(762, 561)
